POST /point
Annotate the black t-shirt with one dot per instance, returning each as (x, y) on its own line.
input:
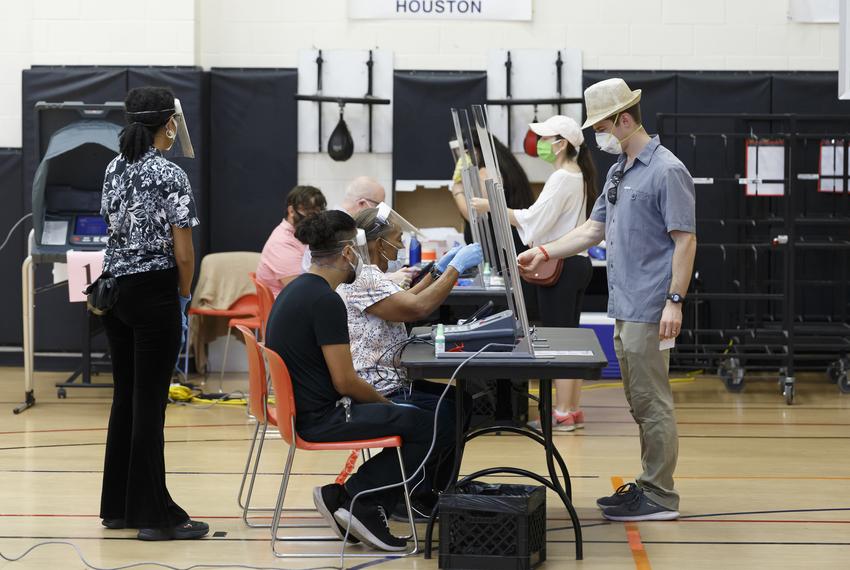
(307, 315)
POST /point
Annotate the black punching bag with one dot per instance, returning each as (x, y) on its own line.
(341, 145)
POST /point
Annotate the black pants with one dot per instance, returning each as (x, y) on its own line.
(438, 470)
(144, 338)
(414, 425)
(560, 304)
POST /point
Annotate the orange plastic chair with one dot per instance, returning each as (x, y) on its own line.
(285, 417)
(265, 300)
(243, 311)
(258, 394)
(258, 398)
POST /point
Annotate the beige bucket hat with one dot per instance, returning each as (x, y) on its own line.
(608, 98)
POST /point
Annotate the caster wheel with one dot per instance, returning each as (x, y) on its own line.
(732, 374)
(844, 383)
(61, 393)
(788, 392)
(833, 372)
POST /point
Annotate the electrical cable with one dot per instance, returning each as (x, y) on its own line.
(408, 480)
(141, 564)
(421, 467)
(9, 235)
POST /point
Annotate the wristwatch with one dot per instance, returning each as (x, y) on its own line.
(675, 297)
(435, 272)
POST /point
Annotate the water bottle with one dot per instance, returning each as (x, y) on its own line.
(440, 340)
(415, 252)
(487, 274)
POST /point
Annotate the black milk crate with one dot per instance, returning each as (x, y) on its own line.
(493, 527)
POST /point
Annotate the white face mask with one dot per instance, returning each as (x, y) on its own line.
(394, 265)
(607, 142)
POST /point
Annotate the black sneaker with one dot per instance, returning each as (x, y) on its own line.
(639, 508)
(327, 500)
(189, 530)
(369, 524)
(622, 495)
(114, 524)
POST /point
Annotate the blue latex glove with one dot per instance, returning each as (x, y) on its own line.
(447, 258)
(184, 304)
(467, 258)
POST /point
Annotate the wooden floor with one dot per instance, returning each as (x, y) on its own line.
(763, 485)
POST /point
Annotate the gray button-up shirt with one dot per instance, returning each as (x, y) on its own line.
(655, 196)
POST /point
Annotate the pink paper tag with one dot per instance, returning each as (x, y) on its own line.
(83, 268)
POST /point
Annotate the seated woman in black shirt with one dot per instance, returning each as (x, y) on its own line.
(308, 327)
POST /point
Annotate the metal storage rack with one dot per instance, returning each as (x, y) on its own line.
(752, 295)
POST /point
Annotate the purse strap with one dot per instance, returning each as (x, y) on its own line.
(120, 230)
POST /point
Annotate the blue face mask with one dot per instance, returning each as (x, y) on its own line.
(394, 265)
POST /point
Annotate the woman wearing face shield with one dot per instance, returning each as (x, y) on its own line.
(564, 204)
(308, 328)
(377, 310)
(148, 204)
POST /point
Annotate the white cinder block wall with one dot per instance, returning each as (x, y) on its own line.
(612, 34)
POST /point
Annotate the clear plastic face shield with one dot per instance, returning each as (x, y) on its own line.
(355, 253)
(386, 236)
(388, 216)
(182, 132)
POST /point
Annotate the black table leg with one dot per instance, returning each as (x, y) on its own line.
(460, 442)
(534, 436)
(546, 425)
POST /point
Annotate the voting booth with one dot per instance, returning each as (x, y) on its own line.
(75, 142)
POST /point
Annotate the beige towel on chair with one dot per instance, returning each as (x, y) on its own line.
(223, 279)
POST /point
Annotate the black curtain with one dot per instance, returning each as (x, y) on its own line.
(11, 196)
(253, 155)
(57, 84)
(422, 125)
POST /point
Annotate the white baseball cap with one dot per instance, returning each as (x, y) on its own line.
(560, 126)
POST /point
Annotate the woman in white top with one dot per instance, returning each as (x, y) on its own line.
(564, 204)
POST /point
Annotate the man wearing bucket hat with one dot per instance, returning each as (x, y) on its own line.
(646, 215)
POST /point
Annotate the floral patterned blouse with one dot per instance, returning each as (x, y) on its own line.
(161, 198)
(373, 339)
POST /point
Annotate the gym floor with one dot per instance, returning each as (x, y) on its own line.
(763, 485)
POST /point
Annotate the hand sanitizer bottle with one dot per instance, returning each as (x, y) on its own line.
(440, 340)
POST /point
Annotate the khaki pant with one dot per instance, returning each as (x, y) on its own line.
(647, 386)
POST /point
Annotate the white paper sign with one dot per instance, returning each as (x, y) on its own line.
(439, 9)
(765, 163)
(831, 164)
(83, 268)
(553, 353)
(54, 233)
